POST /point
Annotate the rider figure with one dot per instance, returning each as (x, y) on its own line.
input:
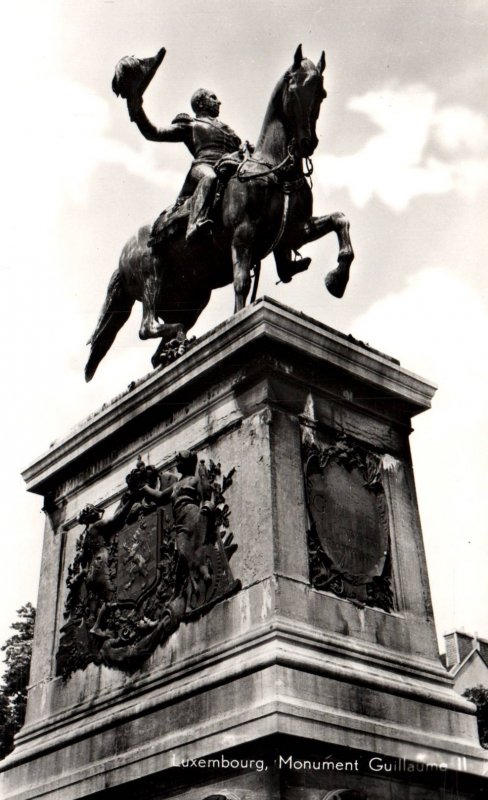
(207, 139)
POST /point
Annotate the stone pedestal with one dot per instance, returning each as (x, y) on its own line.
(319, 671)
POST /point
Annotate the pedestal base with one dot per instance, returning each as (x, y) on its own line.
(326, 654)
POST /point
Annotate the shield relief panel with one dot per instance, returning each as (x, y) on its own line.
(348, 539)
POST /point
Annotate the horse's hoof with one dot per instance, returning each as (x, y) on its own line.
(336, 280)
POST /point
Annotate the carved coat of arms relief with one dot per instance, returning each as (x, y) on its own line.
(162, 558)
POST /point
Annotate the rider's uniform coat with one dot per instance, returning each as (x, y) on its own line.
(207, 139)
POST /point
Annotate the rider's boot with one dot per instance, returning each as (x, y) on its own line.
(287, 267)
(200, 224)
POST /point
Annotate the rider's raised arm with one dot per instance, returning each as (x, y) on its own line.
(176, 132)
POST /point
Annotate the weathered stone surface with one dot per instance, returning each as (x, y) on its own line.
(279, 658)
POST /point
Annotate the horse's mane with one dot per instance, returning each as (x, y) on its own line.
(275, 103)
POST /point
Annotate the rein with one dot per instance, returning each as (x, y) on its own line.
(276, 241)
(284, 219)
(271, 170)
(287, 187)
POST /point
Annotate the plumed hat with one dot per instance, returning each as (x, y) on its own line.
(133, 75)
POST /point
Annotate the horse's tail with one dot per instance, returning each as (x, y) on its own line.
(115, 312)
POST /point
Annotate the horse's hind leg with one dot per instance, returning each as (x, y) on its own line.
(242, 262)
(316, 227)
(151, 327)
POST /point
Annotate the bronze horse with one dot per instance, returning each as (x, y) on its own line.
(266, 206)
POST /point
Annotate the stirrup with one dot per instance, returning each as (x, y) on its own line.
(290, 268)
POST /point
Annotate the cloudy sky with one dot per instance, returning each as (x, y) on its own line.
(403, 152)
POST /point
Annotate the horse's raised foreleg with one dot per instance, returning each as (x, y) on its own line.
(316, 227)
(242, 262)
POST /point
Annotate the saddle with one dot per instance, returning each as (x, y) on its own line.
(228, 165)
(173, 221)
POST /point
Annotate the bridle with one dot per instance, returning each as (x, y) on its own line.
(289, 160)
(287, 187)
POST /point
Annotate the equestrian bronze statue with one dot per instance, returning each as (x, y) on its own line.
(237, 205)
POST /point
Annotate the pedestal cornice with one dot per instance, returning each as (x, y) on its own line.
(265, 324)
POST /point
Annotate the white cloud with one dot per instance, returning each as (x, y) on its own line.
(421, 149)
(470, 176)
(458, 127)
(68, 144)
(439, 328)
(79, 142)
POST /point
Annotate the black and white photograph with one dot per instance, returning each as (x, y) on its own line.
(245, 338)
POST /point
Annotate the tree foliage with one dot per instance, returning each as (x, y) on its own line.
(479, 696)
(13, 690)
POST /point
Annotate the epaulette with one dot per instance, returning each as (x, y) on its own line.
(184, 118)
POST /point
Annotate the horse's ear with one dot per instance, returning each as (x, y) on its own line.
(298, 58)
(321, 64)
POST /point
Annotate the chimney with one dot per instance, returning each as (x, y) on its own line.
(458, 645)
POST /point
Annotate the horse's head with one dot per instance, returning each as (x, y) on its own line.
(303, 92)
